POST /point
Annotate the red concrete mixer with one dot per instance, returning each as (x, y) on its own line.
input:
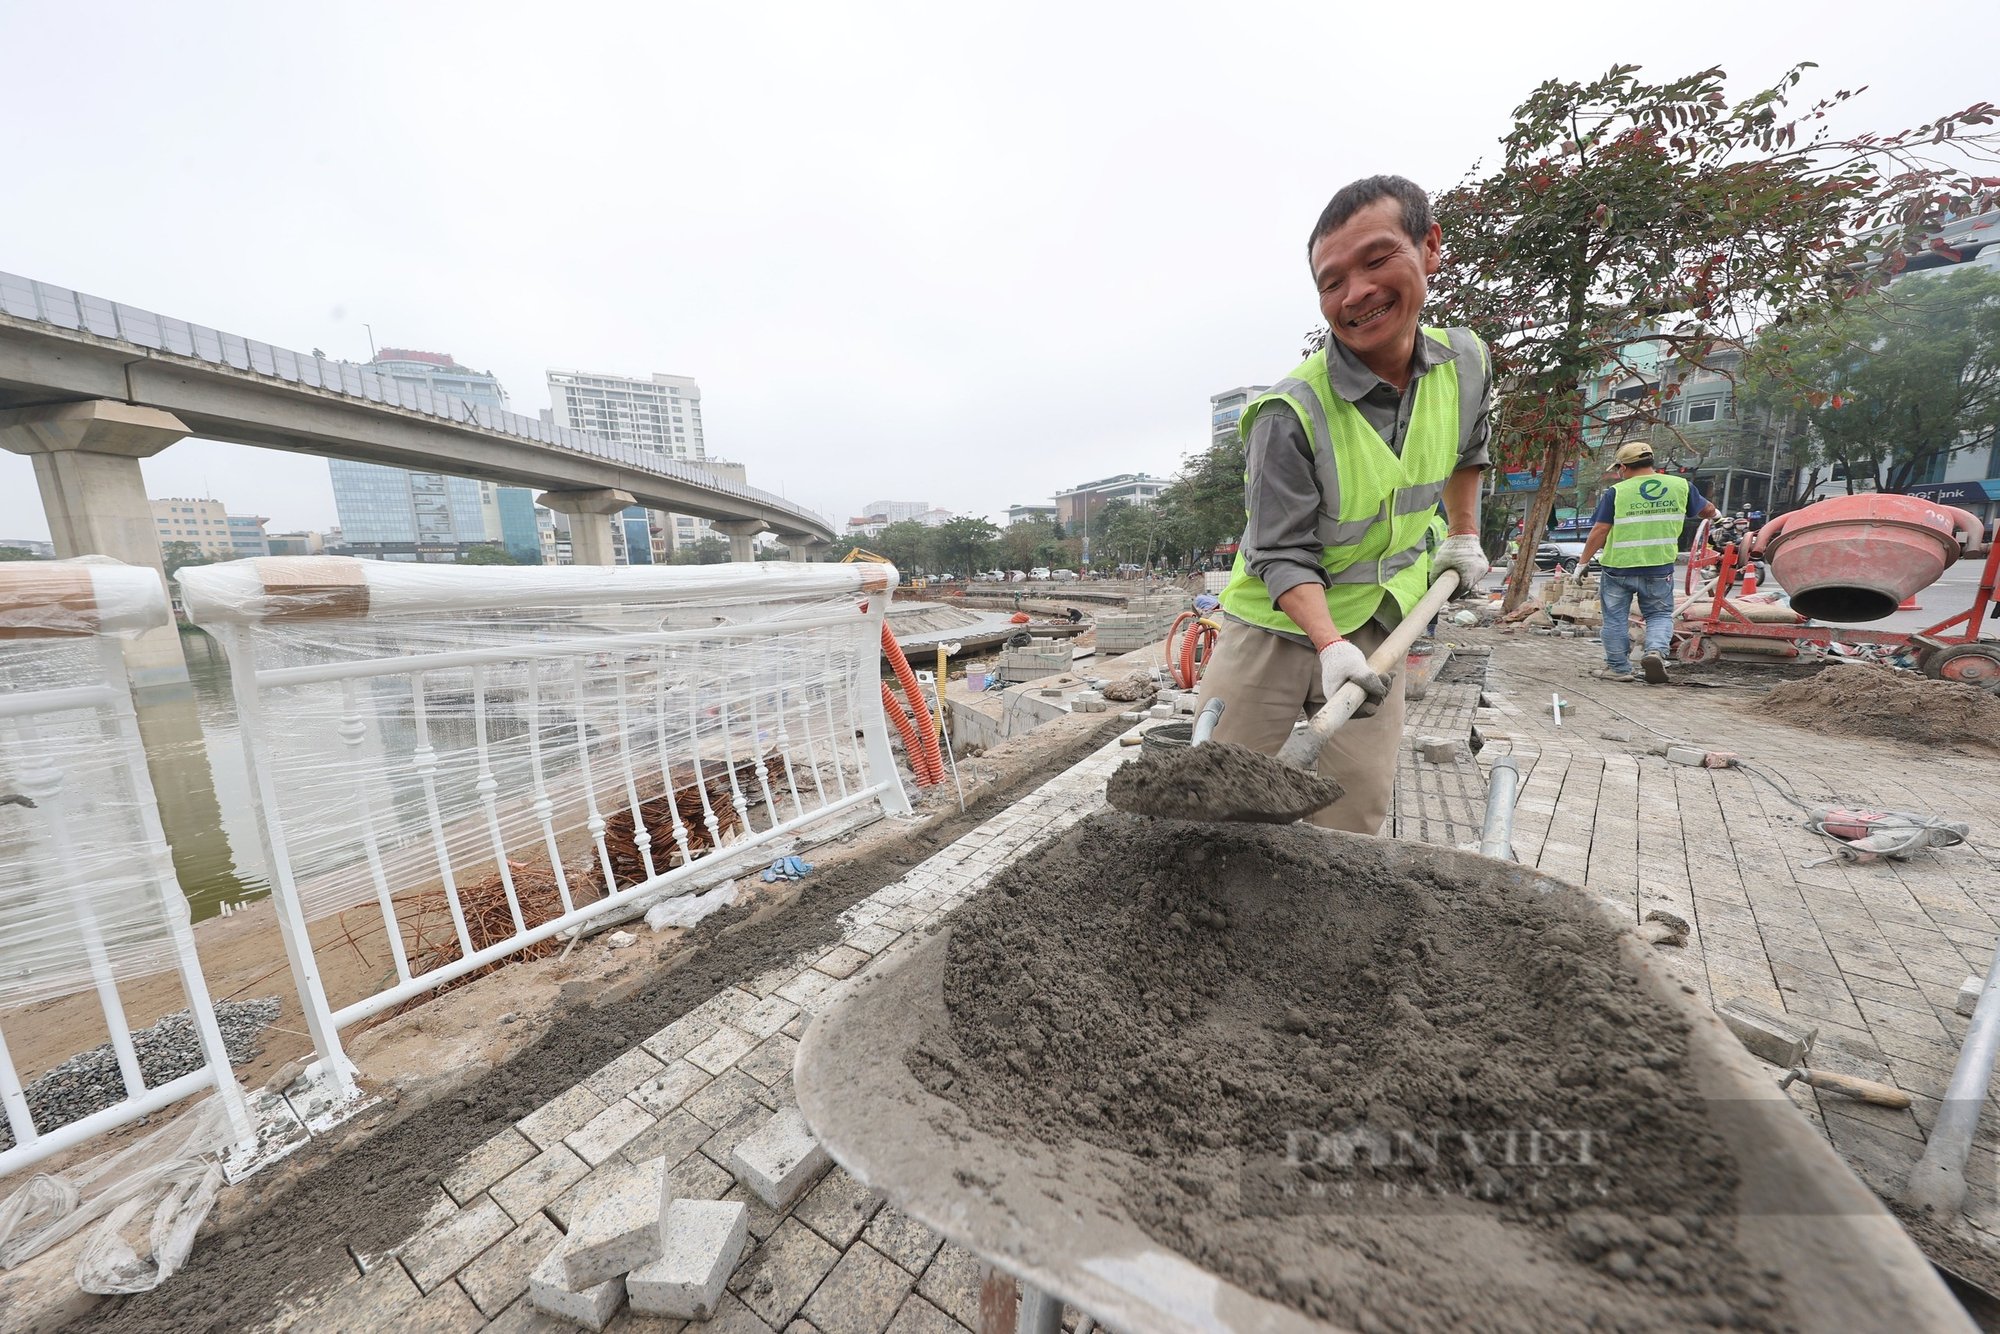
(1858, 558)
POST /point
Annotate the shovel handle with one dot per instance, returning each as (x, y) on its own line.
(1302, 750)
(1867, 1090)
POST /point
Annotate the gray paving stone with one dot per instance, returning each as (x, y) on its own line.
(917, 1316)
(951, 1283)
(438, 1253)
(384, 1299)
(593, 1307)
(837, 1208)
(487, 1164)
(558, 1119)
(542, 1178)
(609, 1131)
(842, 961)
(726, 1099)
(721, 1049)
(698, 1178)
(673, 1137)
(860, 1296)
(703, 1241)
(623, 1074)
(670, 1087)
(763, 1218)
(779, 1159)
(733, 1317)
(902, 1238)
(680, 1037)
(603, 1182)
(766, 1017)
(499, 1277)
(779, 1275)
(771, 1061)
(615, 1235)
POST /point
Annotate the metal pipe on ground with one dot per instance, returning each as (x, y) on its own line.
(1937, 1182)
(1503, 785)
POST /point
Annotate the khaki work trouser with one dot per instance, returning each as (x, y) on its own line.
(1265, 680)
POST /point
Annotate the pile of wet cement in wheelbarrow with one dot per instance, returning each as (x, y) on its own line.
(1858, 700)
(1224, 1006)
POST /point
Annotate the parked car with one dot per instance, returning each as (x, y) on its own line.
(1039, 572)
(1062, 576)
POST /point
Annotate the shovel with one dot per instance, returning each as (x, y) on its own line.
(1221, 781)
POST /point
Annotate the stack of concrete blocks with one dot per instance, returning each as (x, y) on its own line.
(1144, 621)
(1042, 657)
(780, 1160)
(668, 1256)
(1087, 701)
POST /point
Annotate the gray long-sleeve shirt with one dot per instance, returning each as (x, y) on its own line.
(1281, 537)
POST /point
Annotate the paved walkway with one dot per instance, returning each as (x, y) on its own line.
(1871, 954)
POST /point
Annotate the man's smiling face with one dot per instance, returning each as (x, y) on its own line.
(1371, 279)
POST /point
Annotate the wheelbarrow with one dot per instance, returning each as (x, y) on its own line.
(1051, 1219)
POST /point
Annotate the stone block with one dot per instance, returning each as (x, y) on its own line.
(592, 1307)
(1437, 749)
(1160, 711)
(1692, 755)
(703, 1241)
(617, 1235)
(1968, 995)
(778, 1161)
(1719, 759)
(1768, 1036)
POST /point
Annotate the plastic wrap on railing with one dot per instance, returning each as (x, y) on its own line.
(458, 742)
(71, 598)
(86, 892)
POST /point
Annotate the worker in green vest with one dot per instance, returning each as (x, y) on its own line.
(1346, 459)
(1637, 528)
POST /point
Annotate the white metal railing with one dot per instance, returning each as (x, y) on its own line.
(474, 759)
(88, 894)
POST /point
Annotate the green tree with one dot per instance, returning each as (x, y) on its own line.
(487, 553)
(1628, 217)
(17, 553)
(910, 547)
(1031, 542)
(177, 556)
(708, 551)
(964, 544)
(1897, 385)
(1203, 508)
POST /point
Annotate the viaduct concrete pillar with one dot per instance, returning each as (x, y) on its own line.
(589, 521)
(739, 532)
(87, 468)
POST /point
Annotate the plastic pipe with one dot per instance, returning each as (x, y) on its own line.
(1937, 1182)
(1204, 725)
(1503, 784)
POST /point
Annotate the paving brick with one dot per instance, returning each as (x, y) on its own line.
(611, 1179)
(617, 1234)
(779, 1275)
(779, 1159)
(842, 961)
(872, 938)
(951, 1283)
(697, 1177)
(497, 1278)
(766, 1017)
(680, 1037)
(487, 1164)
(733, 1317)
(721, 1049)
(542, 1178)
(837, 1208)
(703, 1241)
(591, 1307)
(384, 1299)
(917, 1316)
(668, 1089)
(673, 1137)
(902, 1238)
(609, 1131)
(1774, 1038)
(556, 1120)
(772, 1060)
(727, 1098)
(441, 1251)
(619, 1077)
(763, 1218)
(860, 1296)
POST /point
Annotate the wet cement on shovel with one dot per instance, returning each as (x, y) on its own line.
(1218, 781)
(1345, 1080)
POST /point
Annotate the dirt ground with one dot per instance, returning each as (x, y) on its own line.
(451, 1077)
(1877, 701)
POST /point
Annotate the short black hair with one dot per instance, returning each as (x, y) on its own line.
(1354, 197)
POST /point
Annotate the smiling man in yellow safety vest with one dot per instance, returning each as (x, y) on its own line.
(1346, 460)
(1637, 526)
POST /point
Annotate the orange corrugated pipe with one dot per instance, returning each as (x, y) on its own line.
(925, 757)
(912, 745)
(1200, 634)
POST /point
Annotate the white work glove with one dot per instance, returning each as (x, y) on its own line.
(1341, 662)
(1463, 553)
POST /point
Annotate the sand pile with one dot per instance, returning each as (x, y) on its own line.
(1377, 1098)
(1218, 781)
(1878, 701)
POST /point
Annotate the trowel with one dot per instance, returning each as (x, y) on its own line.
(1259, 788)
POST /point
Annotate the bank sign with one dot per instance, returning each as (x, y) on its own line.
(1959, 493)
(1530, 481)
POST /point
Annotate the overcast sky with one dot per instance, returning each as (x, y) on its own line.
(921, 252)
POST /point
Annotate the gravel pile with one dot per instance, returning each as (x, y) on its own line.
(89, 1081)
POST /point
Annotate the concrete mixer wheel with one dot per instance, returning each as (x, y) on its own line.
(1967, 664)
(1698, 649)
